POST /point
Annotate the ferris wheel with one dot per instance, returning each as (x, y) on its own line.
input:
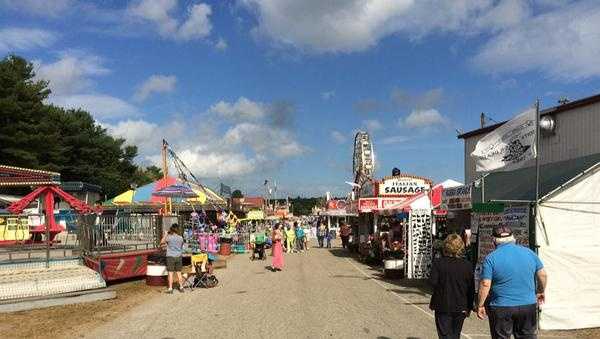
(364, 157)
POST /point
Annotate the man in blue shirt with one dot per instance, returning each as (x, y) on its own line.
(514, 279)
(299, 237)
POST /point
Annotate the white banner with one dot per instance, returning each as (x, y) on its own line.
(509, 146)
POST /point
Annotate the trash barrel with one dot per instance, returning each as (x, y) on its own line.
(225, 248)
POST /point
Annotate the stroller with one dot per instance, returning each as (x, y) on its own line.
(259, 247)
(204, 277)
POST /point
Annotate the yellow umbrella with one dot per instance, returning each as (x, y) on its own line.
(124, 198)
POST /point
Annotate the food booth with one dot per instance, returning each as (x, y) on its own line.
(383, 217)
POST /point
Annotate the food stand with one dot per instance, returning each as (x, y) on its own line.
(385, 215)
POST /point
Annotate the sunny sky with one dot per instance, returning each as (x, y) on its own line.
(248, 90)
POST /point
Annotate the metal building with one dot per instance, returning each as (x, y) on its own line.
(569, 145)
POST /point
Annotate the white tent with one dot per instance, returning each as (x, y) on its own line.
(449, 183)
(568, 235)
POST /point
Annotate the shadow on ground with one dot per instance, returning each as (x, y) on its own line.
(406, 286)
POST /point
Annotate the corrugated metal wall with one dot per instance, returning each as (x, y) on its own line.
(577, 134)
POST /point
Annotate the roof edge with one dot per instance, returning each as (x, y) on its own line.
(552, 110)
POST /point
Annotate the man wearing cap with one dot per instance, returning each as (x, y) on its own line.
(514, 279)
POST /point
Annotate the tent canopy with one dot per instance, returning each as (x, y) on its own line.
(145, 194)
(520, 184)
(568, 238)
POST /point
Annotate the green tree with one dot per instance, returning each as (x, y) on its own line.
(237, 194)
(21, 110)
(147, 175)
(36, 135)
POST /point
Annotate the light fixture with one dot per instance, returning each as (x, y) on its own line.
(547, 124)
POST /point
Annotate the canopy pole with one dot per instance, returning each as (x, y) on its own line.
(537, 174)
(165, 169)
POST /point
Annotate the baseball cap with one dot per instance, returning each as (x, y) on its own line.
(501, 231)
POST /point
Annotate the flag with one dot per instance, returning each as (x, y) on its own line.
(509, 146)
(225, 190)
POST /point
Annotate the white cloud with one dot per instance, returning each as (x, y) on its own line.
(221, 44)
(558, 38)
(242, 110)
(99, 105)
(356, 25)
(218, 147)
(71, 73)
(196, 26)
(426, 119)
(39, 7)
(72, 86)
(338, 137)
(563, 44)
(505, 14)
(135, 132)
(327, 95)
(372, 125)
(20, 39)
(218, 164)
(397, 139)
(264, 139)
(155, 84)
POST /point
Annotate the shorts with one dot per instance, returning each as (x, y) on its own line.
(174, 264)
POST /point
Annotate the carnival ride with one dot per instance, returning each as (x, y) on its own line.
(187, 179)
(363, 163)
(16, 228)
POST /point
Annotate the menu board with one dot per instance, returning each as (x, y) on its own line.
(456, 198)
(420, 245)
(517, 218)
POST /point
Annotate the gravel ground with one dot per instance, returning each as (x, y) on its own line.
(320, 294)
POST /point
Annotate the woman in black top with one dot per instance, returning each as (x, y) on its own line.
(453, 288)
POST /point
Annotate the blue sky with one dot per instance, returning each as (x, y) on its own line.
(250, 90)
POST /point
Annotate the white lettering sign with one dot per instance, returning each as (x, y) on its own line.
(403, 186)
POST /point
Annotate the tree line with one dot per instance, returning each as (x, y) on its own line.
(38, 135)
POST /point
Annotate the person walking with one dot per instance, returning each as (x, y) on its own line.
(453, 288)
(345, 232)
(321, 232)
(174, 243)
(277, 237)
(515, 280)
(299, 237)
(307, 236)
(329, 235)
(290, 235)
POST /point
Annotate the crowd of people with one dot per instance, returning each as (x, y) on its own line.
(511, 284)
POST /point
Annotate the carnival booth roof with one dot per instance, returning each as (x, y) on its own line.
(146, 194)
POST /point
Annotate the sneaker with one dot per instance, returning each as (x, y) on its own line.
(181, 290)
(169, 291)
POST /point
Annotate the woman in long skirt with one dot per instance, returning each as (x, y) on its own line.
(277, 263)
